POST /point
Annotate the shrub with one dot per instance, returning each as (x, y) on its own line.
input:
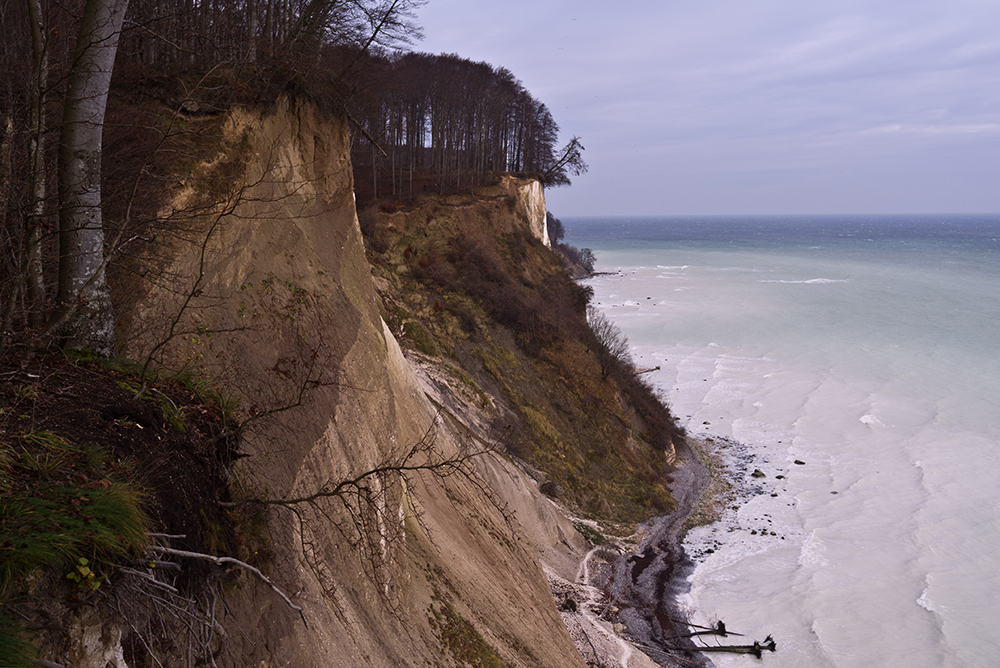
(610, 343)
(662, 429)
(581, 257)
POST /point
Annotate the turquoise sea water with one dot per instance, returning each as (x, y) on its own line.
(867, 348)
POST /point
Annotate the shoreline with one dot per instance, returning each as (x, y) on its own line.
(630, 614)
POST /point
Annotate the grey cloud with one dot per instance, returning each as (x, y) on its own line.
(721, 105)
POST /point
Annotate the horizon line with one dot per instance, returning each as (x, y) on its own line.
(772, 215)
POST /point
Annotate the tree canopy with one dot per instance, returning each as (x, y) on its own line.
(444, 121)
(69, 178)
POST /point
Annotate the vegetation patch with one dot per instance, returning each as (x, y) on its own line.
(66, 508)
(418, 337)
(88, 469)
(593, 536)
(60, 502)
(461, 639)
(517, 324)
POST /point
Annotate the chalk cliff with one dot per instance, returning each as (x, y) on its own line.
(530, 205)
(270, 294)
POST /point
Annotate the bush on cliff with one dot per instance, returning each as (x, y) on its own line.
(87, 470)
(503, 307)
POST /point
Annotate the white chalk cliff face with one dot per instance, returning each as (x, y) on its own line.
(531, 206)
(287, 289)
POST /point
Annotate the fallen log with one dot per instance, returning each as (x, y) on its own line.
(756, 648)
(718, 630)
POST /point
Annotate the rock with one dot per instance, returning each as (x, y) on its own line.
(757, 473)
(800, 462)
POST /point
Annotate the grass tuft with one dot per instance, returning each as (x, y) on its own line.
(57, 504)
(15, 651)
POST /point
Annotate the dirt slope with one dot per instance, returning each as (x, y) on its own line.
(273, 297)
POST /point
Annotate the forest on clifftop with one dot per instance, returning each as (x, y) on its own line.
(97, 94)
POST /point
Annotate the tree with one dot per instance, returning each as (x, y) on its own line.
(568, 161)
(49, 77)
(83, 297)
(32, 265)
(611, 343)
(580, 257)
(454, 122)
(555, 227)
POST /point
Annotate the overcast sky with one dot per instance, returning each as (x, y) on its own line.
(754, 106)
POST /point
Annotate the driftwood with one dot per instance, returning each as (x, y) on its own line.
(718, 630)
(756, 648)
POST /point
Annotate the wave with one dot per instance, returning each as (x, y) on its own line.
(871, 420)
(925, 602)
(811, 281)
(812, 551)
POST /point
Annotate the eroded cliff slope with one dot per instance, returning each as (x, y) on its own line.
(270, 294)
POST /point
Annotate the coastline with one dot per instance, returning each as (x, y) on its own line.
(622, 608)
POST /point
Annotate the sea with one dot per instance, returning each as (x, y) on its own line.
(847, 370)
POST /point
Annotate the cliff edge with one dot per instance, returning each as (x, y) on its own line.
(276, 301)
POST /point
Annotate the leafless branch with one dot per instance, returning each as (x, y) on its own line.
(219, 561)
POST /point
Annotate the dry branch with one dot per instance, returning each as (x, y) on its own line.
(219, 561)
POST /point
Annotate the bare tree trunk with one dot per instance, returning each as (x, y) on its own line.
(6, 175)
(5, 165)
(253, 38)
(84, 301)
(37, 177)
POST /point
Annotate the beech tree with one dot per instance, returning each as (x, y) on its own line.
(452, 123)
(33, 276)
(568, 161)
(83, 298)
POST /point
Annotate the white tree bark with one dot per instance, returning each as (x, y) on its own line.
(36, 179)
(83, 295)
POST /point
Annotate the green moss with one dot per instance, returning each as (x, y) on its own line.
(465, 380)
(539, 426)
(461, 639)
(501, 364)
(593, 536)
(419, 338)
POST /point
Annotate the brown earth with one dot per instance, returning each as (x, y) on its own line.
(183, 471)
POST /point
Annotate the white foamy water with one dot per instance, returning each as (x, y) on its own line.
(869, 351)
